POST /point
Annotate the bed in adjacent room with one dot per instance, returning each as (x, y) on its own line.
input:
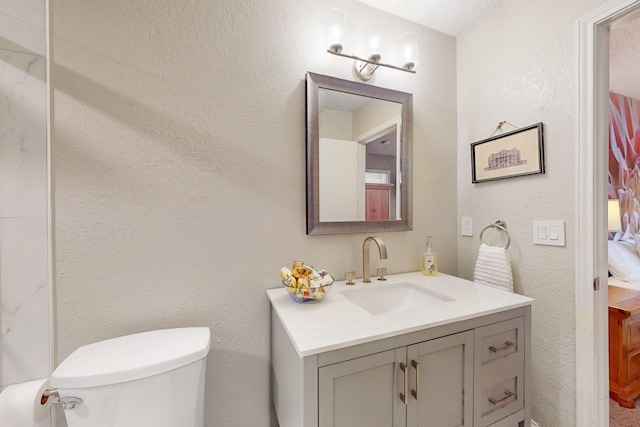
(624, 264)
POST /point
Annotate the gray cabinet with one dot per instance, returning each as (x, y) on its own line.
(441, 382)
(468, 373)
(425, 384)
(363, 391)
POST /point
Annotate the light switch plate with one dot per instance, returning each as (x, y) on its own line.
(467, 226)
(549, 233)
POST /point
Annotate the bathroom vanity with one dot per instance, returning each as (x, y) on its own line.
(409, 351)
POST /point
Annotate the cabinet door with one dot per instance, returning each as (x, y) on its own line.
(363, 392)
(441, 382)
(377, 201)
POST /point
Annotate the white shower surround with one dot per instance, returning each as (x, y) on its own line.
(24, 272)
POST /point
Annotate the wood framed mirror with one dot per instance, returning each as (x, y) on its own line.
(359, 157)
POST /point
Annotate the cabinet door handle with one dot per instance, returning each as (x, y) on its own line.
(403, 396)
(507, 345)
(414, 393)
(507, 395)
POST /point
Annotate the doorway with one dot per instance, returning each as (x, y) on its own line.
(592, 380)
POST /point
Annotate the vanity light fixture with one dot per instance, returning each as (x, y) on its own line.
(365, 68)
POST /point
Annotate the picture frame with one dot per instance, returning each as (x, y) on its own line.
(516, 153)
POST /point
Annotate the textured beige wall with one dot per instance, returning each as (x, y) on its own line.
(519, 64)
(179, 172)
(624, 62)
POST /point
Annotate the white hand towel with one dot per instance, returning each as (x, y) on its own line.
(493, 268)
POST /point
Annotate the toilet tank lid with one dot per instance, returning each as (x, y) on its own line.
(131, 357)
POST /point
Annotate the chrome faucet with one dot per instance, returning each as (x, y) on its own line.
(382, 249)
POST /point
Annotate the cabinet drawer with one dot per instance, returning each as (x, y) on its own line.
(499, 370)
(499, 342)
(500, 396)
(633, 366)
(633, 323)
(515, 420)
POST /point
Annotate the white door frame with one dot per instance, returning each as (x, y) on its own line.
(592, 361)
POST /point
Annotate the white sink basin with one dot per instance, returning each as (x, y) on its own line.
(395, 298)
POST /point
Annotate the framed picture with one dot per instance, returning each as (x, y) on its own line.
(516, 153)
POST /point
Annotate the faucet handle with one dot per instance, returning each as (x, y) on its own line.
(381, 273)
(349, 276)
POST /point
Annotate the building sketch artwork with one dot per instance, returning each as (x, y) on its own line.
(504, 159)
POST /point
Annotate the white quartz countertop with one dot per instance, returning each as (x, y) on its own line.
(336, 322)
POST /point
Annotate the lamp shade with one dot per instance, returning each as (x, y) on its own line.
(613, 215)
(373, 36)
(334, 29)
(409, 50)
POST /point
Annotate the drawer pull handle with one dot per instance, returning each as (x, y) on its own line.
(403, 396)
(508, 395)
(414, 393)
(507, 345)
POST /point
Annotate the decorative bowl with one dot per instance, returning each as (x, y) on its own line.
(305, 283)
(307, 295)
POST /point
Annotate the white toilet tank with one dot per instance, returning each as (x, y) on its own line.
(150, 379)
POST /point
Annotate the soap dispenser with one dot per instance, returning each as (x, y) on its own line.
(429, 260)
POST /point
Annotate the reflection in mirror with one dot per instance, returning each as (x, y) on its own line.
(362, 133)
(358, 157)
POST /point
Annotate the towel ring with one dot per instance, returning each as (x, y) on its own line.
(500, 225)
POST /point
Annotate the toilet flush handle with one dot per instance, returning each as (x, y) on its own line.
(68, 403)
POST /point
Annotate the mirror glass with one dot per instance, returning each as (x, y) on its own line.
(358, 157)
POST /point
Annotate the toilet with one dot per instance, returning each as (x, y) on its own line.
(149, 379)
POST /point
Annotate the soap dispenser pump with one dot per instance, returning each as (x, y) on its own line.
(429, 260)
